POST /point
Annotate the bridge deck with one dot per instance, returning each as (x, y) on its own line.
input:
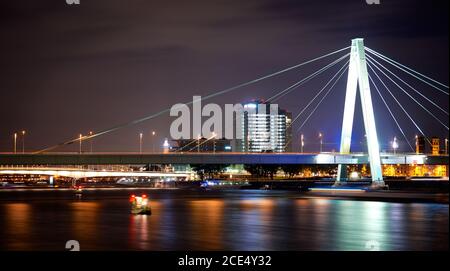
(212, 158)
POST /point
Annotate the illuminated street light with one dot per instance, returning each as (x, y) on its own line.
(23, 141)
(15, 143)
(321, 141)
(395, 144)
(153, 141)
(140, 142)
(90, 141)
(302, 143)
(417, 144)
(81, 139)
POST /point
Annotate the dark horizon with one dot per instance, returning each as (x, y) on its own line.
(68, 70)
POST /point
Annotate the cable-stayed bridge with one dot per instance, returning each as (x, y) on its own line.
(367, 70)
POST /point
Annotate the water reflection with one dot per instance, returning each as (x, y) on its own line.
(184, 220)
(145, 232)
(84, 224)
(17, 217)
(206, 223)
(256, 224)
(374, 225)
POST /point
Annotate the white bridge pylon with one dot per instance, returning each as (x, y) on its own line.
(358, 76)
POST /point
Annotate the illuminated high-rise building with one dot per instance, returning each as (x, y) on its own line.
(265, 128)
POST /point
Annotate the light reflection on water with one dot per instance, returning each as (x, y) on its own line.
(18, 223)
(238, 220)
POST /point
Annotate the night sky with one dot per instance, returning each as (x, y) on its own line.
(67, 70)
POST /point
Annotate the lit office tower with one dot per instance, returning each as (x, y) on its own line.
(265, 128)
(435, 145)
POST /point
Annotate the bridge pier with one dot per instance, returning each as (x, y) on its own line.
(359, 77)
(379, 185)
(342, 179)
(342, 175)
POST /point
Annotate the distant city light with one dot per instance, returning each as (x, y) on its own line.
(166, 143)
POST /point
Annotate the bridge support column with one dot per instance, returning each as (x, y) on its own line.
(342, 174)
(358, 76)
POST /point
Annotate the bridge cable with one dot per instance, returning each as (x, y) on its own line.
(411, 87)
(321, 100)
(292, 87)
(289, 89)
(314, 98)
(409, 71)
(134, 122)
(390, 112)
(399, 104)
(423, 107)
(201, 143)
(190, 143)
(305, 80)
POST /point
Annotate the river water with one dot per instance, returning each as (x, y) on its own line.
(217, 220)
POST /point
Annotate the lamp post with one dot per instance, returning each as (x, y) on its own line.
(395, 145)
(15, 143)
(81, 139)
(417, 144)
(321, 141)
(302, 143)
(140, 142)
(23, 141)
(90, 141)
(153, 141)
(198, 143)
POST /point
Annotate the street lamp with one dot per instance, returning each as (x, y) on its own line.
(321, 141)
(15, 143)
(23, 141)
(417, 144)
(81, 138)
(302, 143)
(90, 141)
(395, 144)
(153, 141)
(140, 142)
